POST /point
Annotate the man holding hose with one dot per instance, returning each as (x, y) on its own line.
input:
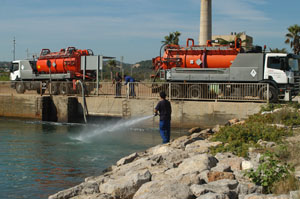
(164, 109)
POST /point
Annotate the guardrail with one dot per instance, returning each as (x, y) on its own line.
(145, 90)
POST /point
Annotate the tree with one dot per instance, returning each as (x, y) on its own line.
(277, 50)
(172, 38)
(293, 38)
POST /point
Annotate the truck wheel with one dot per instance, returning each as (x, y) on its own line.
(273, 95)
(20, 88)
(176, 91)
(195, 92)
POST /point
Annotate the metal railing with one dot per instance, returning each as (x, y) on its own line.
(144, 90)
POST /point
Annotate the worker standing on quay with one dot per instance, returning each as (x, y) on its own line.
(130, 80)
(118, 82)
(164, 109)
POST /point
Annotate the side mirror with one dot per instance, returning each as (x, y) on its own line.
(11, 68)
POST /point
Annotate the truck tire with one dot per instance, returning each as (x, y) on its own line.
(176, 91)
(195, 92)
(273, 94)
(20, 88)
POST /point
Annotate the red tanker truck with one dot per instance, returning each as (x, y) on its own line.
(192, 56)
(194, 64)
(67, 65)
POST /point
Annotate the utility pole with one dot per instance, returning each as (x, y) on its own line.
(14, 49)
(121, 66)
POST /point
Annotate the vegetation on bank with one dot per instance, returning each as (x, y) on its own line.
(275, 172)
(4, 76)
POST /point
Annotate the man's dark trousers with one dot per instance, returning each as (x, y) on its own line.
(164, 129)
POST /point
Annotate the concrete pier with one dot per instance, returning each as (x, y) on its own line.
(185, 114)
(22, 106)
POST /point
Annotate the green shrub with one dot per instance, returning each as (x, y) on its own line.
(4, 76)
(270, 107)
(238, 138)
(286, 116)
(269, 172)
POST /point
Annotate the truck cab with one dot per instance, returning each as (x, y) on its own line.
(22, 70)
(283, 70)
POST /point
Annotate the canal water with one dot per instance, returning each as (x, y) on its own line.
(39, 159)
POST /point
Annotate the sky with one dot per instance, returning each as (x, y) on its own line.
(134, 28)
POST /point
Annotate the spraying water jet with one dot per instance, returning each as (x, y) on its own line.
(110, 128)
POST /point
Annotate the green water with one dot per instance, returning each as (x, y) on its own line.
(38, 159)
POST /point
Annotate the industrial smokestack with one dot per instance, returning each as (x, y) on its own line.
(205, 22)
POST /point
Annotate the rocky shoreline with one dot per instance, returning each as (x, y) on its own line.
(181, 169)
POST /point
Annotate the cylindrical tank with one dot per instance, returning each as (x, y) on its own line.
(68, 60)
(197, 56)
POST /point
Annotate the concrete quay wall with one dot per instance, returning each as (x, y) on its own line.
(43, 108)
(21, 106)
(184, 113)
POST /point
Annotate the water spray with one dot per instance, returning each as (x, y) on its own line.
(122, 124)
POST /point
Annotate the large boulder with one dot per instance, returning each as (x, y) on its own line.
(83, 188)
(127, 159)
(216, 175)
(94, 196)
(198, 147)
(223, 187)
(160, 149)
(246, 188)
(213, 196)
(163, 190)
(194, 130)
(231, 160)
(181, 142)
(261, 196)
(126, 186)
(222, 168)
(197, 163)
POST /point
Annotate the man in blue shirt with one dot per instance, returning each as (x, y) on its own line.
(130, 80)
(164, 108)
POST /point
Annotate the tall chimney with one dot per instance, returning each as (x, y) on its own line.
(205, 22)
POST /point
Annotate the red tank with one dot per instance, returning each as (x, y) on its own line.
(66, 60)
(193, 56)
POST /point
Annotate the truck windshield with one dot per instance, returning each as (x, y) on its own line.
(294, 64)
(15, 67)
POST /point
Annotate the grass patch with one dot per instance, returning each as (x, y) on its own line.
(4, 76)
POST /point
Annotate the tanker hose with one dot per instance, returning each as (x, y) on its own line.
(85, 110)
(160, 62)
